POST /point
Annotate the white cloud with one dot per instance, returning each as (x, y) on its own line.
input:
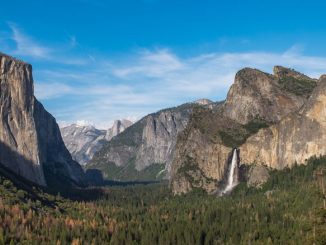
(152, 64)
(51, 90)
(26, 46)
(151, 80)
(140, 82)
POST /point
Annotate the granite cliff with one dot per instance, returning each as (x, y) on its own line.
(294, 139)
(144, 151)
(30, 139)
(84, 141)
(255, 101)
(118, 127)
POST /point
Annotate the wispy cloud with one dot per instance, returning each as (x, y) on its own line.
(153, 64)
(52, 90)
(149, 80)
(26, 46)
(142, 81)
(73, 41)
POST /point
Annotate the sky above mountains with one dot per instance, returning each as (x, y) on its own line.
(96, 61)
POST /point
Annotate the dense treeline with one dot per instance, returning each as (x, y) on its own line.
(287, 210)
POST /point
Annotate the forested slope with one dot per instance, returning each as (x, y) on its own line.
(286, 210)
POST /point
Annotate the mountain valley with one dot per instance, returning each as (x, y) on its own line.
(232, 172)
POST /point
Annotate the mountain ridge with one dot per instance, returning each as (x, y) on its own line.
(83, 141)
(144, 151)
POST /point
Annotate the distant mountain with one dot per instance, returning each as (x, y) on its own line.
(84, 141)
(118, 127)
(30, 141)
(144, 151)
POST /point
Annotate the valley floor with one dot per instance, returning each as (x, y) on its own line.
(287, 210)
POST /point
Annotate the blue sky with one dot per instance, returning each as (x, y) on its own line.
(95, 60)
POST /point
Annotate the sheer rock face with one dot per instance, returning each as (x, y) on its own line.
(209, 163)
(19, 142)
(118, 127)
(295, 138)
(84, 141)
(148, 142)
(254, 95)
(30, 140)
(159, 138)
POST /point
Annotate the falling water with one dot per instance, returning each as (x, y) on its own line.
(232, 179)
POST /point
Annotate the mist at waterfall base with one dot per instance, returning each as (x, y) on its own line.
(233, 175)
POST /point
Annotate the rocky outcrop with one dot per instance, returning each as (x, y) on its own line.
(118, 127)
(159, 138)
(146, 148)
(30, 140)
(204, 102)
(255, 100)
(84, 141)
(283, 73)
(256, 94)
(198, 163)
(294, 139)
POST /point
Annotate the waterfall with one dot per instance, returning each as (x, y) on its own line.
(232, 179)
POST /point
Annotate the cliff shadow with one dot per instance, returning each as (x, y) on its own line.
(19, 164)
(9, 172)
(95, 178)
(20, 182)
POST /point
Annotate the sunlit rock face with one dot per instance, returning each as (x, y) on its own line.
(203, 102)
(19, 142)
(30, 140)
(295, 138)
(147, 144)
(118, 127)
(202, 150)
(198, 163)
(149, 141)
(83, 141)
(255, 94)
